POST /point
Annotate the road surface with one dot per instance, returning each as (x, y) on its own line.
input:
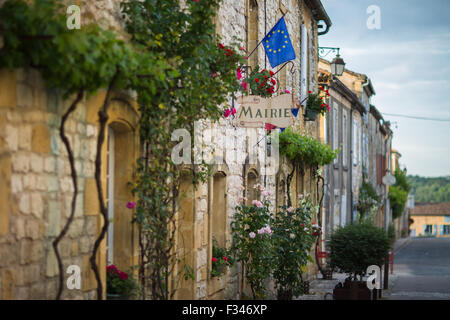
(422, 270)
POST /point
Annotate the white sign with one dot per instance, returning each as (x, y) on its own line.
(255, 111)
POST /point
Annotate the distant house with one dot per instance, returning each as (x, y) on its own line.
(431, 220)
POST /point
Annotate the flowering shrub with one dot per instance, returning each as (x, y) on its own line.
(120, 282)
(221, 259)
(316, 101)
(252, 243)
(259, 83)
(293, 237)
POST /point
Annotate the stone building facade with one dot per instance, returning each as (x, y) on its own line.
(215, 202)
(357, 127)
(36, 187)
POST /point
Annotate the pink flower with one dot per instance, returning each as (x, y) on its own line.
(245, 58)
(242, 48)
(131, 204)
(214, 74)
(233, 111)
(195, 0)
(257, 203)
(227, 113)
(261, 231)
(290, 209)
(252, 235)
(225, 258)
(287, 91)
(266, 193)
(267, 230)
(244, 85)
(239, 74)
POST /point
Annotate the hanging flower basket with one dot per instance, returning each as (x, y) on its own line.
(315, 104)
(310, 115)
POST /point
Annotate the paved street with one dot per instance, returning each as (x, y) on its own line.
(422, 270)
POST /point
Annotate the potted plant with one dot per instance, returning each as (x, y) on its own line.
(352, 249)
(315, 104)
(259, 83)
(221, 259)
(120, 285)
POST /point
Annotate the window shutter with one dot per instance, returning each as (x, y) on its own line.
(441, 229)
(424, 228)
(435, 229)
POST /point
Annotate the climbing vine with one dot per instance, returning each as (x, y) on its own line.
(205, 77)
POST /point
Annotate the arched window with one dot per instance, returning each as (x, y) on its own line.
(184, 239)
(218, 213)
(281, 191)
(252, 193)
(121, 234)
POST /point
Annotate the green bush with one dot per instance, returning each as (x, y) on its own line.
(355, 247)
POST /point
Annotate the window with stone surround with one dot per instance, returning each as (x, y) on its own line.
(252, 193)
(184, 238)
(121, 235)
(252, 22)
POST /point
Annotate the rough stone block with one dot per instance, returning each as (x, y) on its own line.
(5, 193)
(8, 85)
(8, 284)
(21, 162)
(37, 163)
(41, 139)
(91, 205)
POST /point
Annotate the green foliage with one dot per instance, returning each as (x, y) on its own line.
(306, 150)
(252, 244)
(121, 282)
(398, 193)
(355, 247)
(71, 60)
(260, 83)
(205, 77)
(293, 237)
(221, 258)
(368, 199)
(430, 190)
(391, 232)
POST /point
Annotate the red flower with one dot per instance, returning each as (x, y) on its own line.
(323, 105)
(123, 275)
(112, 268)
(309, 91)
(221, 45)
(272, 73)
(242, 48)
(214, 260)
(256, 80)
(233, 111)
(321, 88)
(226, 113)
(225, 258)
(273, 81)
(266, 77)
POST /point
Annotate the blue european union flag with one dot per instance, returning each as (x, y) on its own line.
(278, 45)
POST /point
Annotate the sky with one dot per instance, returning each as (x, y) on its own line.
(408, 62)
